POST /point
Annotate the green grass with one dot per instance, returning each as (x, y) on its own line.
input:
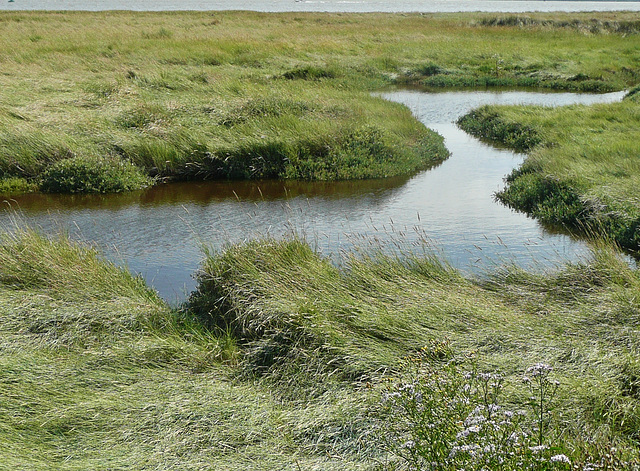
(86, 175)
(16, 186)
(582, 168)
(97, 372)
(237, 95)
(305, 325)
(279, 359)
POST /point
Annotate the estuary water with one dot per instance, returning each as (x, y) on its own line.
(159, 232)
(425, 6)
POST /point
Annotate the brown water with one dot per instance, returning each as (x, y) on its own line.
(158, 232)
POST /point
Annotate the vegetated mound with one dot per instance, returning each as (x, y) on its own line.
(260, 137)
(298, 315)
(582, 172)
(278, 135)
(304, 324)
(489, 125)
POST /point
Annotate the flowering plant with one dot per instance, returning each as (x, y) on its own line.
(450, 419)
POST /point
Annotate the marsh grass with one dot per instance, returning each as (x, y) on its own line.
(586, 26)
(98, 372)
(304, 324)
(280, 356)
(16, 186)
(195, 95)
(582, 168)
(87, 175)
(279, 359)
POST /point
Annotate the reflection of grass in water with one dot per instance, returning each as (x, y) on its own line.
(209, 192)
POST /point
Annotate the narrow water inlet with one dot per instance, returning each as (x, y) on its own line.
(158, 232)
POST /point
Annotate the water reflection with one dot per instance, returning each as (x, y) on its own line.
(205, 193)
(159, 232)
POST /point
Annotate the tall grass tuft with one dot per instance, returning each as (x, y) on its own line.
(93, 175)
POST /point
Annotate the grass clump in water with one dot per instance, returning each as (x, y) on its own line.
(487, 125)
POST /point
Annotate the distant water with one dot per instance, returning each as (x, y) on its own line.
(425, 6)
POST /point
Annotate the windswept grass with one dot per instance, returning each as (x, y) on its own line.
(97, 372)
(304, 324)
(280, 357)
(582, 171)
(197, 95)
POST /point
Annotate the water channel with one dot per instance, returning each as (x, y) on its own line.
(159, 232)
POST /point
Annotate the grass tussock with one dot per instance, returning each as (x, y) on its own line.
(301, 322)
(487, 125)
(196, 95)
(81, 175)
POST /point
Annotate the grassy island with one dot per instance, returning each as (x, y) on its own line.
(282, 359)
(111, 101)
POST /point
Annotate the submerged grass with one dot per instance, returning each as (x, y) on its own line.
(195, 95)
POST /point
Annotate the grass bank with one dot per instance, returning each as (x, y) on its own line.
(582, 168)
(282, 360)
(196, 95)
(98, 373)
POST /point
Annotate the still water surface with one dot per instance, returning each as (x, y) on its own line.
(158, 232)
(321, 5)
